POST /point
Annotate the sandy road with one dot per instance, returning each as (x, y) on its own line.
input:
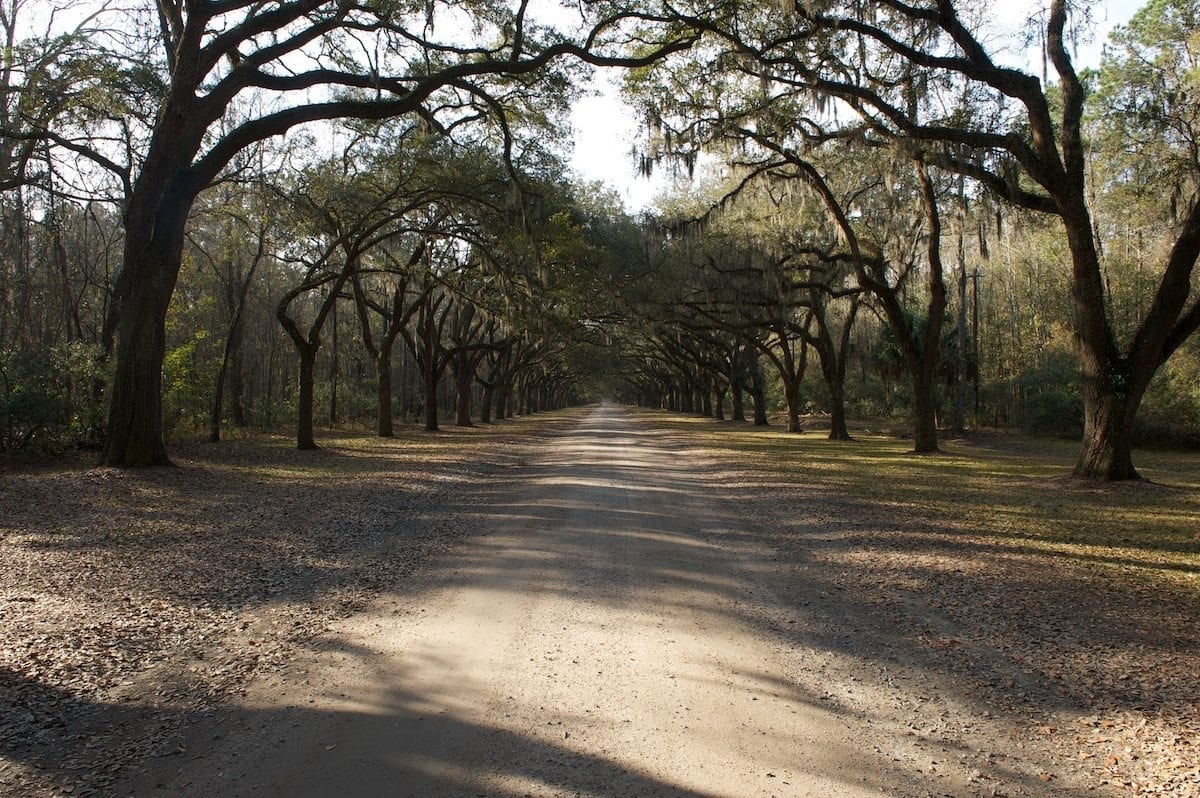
(600, 636)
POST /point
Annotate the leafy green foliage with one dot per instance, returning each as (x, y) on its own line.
(51, 400)
(1149, 93)
(188, 379)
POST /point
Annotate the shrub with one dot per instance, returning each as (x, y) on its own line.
(53, 399)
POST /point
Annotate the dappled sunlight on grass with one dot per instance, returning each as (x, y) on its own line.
(1014, 491)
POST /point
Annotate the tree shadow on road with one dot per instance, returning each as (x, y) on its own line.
(832, 578)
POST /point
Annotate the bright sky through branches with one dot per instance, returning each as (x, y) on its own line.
(606, 130)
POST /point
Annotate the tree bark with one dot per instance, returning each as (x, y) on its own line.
(383, 384)
(834, 358)
(791, 397)
(960, 342)
(485, 405)
(738, 410)
(304, 404)
(153, 243)
(758, 394)
(231, 357)
(921, 353)
(1107, 451)
(430, 377)
(464, 377)
(1111, 387)
(838, 430)
(334, 366)
(925, 439)
(237, 381)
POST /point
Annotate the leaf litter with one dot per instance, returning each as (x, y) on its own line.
(133, 602)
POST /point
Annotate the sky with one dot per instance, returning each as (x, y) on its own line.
(606, 129)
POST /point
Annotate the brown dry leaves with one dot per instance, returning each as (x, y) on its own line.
(130, 601)
(1070, 610)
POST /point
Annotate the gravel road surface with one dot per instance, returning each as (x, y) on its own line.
(608, 628)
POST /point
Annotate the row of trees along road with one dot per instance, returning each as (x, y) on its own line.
(793, 95)
(193, 189)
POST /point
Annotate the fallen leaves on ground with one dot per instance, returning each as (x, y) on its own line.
(131, 600)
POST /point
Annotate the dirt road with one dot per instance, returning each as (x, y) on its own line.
(612, 629)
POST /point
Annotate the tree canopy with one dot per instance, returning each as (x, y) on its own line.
(205, 201)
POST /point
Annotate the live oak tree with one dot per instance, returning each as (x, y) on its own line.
(748, 292)
(394, 312)
(927, 77)
(459, 192)
(721, 98)
(890, 242)
(216, 76)
(347, 214)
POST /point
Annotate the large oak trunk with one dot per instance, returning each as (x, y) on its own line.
(502, 401)
(837, 411)
(924, 414)
(1111, 396)
(135, 432)
(464, 379)
(462, 406)
(1111, 390)
(153, 247)
(1107, 452)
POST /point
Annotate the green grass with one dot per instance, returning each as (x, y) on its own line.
(1013, 491)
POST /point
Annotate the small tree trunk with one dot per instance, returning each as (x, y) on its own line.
(960, 350)
(214, 418)
(719, 405)
(304, 409)
(333, 368)
(231, 370)
(237, 383)
(758, 393)
(791, 396)
(431, 398)
(837, 411)
(383, 383)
